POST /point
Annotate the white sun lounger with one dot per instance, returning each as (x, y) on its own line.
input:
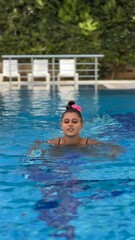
(10, 70)
(67, 69)
(40, 70)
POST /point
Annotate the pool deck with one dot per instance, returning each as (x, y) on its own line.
(118, 84)
(102, 84)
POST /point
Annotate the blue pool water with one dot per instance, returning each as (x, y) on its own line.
(71, 193)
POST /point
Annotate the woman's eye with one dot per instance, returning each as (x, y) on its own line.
(66, 121)
(75, 121)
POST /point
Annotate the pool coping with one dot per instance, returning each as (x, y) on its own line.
(105, 84)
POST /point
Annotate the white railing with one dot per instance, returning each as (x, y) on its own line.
(87, 66)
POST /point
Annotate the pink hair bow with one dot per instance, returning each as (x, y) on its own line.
(77, 107)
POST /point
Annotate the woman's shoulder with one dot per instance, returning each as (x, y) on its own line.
(92, 141)
(88, 141)
(54, 141)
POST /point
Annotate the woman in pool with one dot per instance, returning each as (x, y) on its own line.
(71, 124)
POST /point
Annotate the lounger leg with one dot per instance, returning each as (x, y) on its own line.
(76, 82)
(19, 78)
(1, 78)
(29, 77)
(58, 82)
(48, 82)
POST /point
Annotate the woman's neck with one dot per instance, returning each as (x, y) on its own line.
(70, 140)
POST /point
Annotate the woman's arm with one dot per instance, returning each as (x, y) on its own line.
(36, 151)
(111, 149)
(53, 141)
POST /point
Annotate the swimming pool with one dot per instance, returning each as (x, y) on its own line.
(67, 194)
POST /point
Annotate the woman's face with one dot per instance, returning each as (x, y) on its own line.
(71, 124)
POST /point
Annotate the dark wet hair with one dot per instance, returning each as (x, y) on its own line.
(69, 108)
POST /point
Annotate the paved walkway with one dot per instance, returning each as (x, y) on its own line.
(115, 84)
(105, 84)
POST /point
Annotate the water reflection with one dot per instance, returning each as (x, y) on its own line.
(58, 205)
(62, 191)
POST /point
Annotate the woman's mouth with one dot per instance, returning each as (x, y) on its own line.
(70, 129)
